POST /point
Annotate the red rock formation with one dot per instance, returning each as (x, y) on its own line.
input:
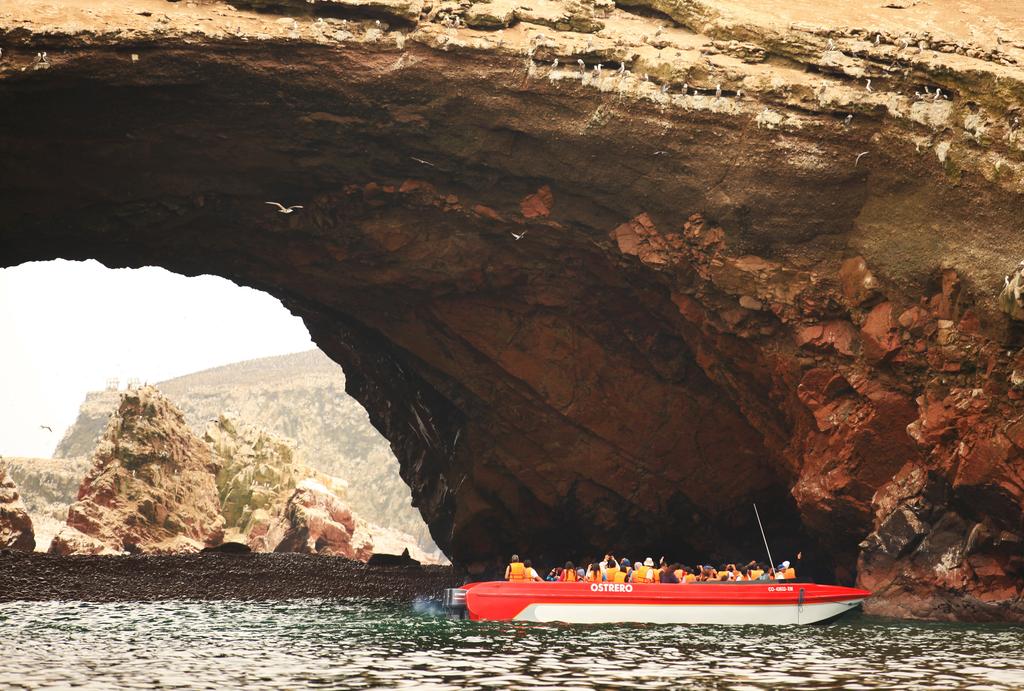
(627, 374)
(319, 523)
(15, 523)
(151, 488)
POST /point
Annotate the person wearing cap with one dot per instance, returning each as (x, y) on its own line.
(646, 573)
(788, 572)
(624, 572)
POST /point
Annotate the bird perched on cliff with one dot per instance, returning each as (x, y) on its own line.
(849, 119)
(281, 209)
(862, 153)
(554, 64)
(597, 69)
(938, 94)
(518, 236)
(878, 39)
(718, 90)
(831, 45)
(583, 65)
(739, 94)
(868, 86)
(622, 68)
(664, 88)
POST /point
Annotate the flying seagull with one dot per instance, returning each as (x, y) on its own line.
(284, 209)
(518, 236)
(862, 153)
(46, 427)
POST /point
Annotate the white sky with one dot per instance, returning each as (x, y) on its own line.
(66, 327)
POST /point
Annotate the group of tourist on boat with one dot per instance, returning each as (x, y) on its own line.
(612, 570)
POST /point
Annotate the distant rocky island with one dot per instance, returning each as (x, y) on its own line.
(271, 453)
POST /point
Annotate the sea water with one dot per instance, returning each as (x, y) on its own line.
(368, 644)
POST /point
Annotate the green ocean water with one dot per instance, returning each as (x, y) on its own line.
(367, 644)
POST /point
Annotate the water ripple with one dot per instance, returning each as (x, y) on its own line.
(367, 644)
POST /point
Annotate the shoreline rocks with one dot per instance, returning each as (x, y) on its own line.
(15, 523)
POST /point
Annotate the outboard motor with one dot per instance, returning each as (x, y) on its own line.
(454, 603)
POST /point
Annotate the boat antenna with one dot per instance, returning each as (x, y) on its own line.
(771, 562)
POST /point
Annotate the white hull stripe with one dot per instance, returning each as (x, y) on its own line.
(686, 614)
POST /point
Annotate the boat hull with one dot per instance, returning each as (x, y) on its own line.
(692, 603)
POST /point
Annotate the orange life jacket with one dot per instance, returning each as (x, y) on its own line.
(570, 576)
(643, 574)
(690, 578)
(619, 577)
(516, 571)
(609, 575)
(679, 575)
(756, 573)
(790, 572)
(593, 576)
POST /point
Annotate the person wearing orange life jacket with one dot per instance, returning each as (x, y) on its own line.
(531, 573)
(646, 573)
(594, 574)
(569, 573)
(516, 570)
(624, 572)
(611, 570)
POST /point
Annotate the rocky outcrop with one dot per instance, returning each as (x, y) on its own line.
(273, 502)
(319, 523)
(302, 396)
(15, 523)
(602, 278)
(151, 488)
(48, 486)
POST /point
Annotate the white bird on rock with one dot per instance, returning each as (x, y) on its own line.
(664, 88)
(862, 153)
(938, 93)
(718, 91)
(281, 209)
(518, 236)
(622, 68)
(849, 119)
(868, 87)
(554, 64)
(583, 65)
(831, 45)
(878, 39)
(1006, 281)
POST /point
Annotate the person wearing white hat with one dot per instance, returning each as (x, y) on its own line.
(645, 573)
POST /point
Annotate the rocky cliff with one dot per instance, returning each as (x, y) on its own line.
(603, 274)
(48, 486)
(151, 487)
(15, 523)
(301, 396)
(274, 502)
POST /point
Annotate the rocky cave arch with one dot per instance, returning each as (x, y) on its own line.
(711, 303)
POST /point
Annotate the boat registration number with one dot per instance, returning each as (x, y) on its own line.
(780, 588)
(611, 588)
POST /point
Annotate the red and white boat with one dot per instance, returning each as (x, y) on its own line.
(757, 602)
